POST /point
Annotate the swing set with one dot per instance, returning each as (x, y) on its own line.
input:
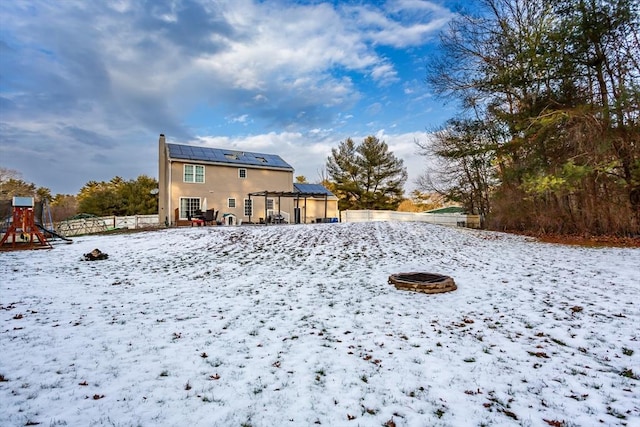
(23, 230)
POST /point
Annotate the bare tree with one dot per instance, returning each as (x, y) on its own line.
(560, 81)
(462, 168)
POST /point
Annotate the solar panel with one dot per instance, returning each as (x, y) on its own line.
(218, 155)
(312, 189)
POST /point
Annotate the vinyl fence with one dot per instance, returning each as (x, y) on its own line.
(456, 220)
(100, 224)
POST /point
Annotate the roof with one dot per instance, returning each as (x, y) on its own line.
(299, 190)
(312, 189)
(447, 210)
(228, 157)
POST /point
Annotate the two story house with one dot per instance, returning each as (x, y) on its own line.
(240, 186)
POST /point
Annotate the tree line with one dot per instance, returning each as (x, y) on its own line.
(548, 138)
(363, 176)
(117, 197)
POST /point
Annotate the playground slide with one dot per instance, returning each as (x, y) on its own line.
(54, 234)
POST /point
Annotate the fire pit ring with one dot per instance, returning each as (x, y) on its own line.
(426, 283)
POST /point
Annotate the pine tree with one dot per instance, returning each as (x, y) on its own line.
(367, 176)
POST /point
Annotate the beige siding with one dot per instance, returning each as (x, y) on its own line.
(223, 182)
(315, 209)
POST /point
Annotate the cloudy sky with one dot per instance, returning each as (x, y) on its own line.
(87, 87)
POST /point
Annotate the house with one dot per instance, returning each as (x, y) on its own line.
(240, 186)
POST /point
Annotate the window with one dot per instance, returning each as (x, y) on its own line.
(270, 204)
(248, 207)
(188, 205)
(231, 203)
(242, 173)
(194, 173)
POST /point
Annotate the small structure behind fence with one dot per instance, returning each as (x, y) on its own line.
(455, 219)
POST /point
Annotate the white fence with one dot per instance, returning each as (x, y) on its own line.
(90, 225)
(459, 220)
(100, 224)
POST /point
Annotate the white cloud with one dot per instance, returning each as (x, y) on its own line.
(125, 71)
(401, 23)
(240, 119)
(308, 153)
(384, 73)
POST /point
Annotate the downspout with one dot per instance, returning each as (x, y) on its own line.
(169, 194)
(297, 209)
(325, 205)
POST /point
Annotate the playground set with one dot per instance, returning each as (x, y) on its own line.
(24, 230)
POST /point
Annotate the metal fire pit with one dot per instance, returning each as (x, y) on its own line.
(426, 283)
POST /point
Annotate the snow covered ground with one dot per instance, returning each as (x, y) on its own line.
(297, 326)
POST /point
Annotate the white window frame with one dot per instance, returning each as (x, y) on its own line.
(195, 176)
(189, 203)
(248, 204)
(242, 173)
(271, 203)
(231, 202)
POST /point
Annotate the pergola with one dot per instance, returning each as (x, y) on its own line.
(297, 195)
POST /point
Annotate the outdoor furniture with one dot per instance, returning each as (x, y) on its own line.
(276, 219)
(198, 220)
(210, 216)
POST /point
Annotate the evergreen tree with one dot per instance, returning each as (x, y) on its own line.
(367, 176)
(119, 197)
(12, 185)
(559, 81)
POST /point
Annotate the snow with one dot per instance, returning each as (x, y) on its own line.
(297, 325)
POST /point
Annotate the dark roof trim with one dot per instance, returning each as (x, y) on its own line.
(292, 194)
(312, 188)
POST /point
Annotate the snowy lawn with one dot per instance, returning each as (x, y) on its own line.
(297, 325)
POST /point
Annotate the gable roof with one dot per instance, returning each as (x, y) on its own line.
(227, 157)
(318, 189)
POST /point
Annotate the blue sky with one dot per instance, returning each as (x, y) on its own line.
(87, 87)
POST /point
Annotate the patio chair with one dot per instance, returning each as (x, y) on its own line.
(210, 216)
